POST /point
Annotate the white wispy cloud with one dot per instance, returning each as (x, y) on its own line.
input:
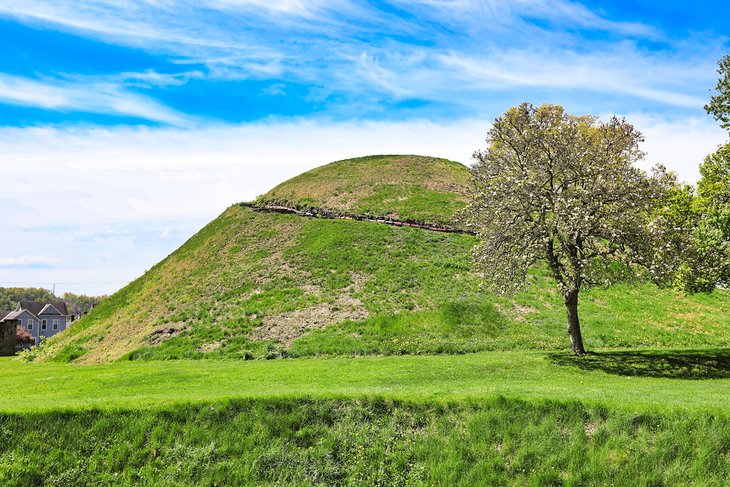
(621, 71)
(87, 95)
(28, 261)
(516, 13)
(453, 51)
(681, 145)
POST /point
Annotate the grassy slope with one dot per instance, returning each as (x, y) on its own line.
(408, 187)
(246, 272)
(492, 418)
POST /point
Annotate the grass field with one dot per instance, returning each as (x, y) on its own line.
(364, 442)
(631, 380)
(618, 417)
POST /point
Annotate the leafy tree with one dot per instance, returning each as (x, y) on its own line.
(562, 188)
(707, 264)
(671, 236)
(695, 225)
(713, 201)
(719, 105)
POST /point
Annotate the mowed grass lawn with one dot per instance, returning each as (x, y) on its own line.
(636, 380)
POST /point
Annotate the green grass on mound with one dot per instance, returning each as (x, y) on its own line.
(253, 285)
(369, 442)
(405, 187)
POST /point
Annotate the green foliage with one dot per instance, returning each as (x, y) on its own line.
(565, 190)
(714, 186)
(702, 225)
(719, 106)
(9, 296)
(560, 188)
(672, 237)
(707, 263)
(80, 303)
(713, 233)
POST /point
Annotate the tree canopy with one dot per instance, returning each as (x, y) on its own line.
(713, 199)
(565, 189)
(9, 296)
(705, 263)
(77, 303)
(719, 106)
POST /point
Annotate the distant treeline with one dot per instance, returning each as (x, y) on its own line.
(77, 303)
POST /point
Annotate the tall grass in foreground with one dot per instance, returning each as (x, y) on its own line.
(369, 442)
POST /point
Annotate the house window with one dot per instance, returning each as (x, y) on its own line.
(30, 324)
(55, 324)
(43, 325)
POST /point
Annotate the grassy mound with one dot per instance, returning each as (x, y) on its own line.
(253, 285)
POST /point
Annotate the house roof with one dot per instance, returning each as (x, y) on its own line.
(42, 307)
(3, 314)
(49, 309)
(14, 314)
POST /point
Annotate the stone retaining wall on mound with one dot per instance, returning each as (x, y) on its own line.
(312, 212)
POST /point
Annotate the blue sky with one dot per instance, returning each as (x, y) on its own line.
(235, 61)
(126, 125)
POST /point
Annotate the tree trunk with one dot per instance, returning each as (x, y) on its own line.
(571, 306)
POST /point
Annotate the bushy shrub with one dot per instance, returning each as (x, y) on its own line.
(22, 337)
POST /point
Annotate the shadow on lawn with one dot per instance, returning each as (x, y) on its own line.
(669, 364)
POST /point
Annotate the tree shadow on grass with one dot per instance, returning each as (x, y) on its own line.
(669, 364)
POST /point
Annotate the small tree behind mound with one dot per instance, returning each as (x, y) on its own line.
(562, 188)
